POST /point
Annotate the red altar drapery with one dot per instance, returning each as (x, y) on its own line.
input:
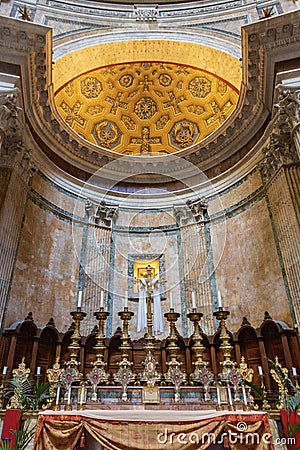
(11, 423)
(234, 431)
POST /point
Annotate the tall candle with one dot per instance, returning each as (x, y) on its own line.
(260, 371)
(79, 302)
(294, 371)
(57, 395)
(4, 371)
(171, 301)
(101, 299)
(38, 370)
(126, 300)
(229, 395)
(82, 394)
(193, 300)
(244, 395)
(69, 396)
(218, 395)
(219, 300)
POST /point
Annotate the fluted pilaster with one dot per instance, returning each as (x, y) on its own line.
(195, 260)
(284, 194)
(11, 219)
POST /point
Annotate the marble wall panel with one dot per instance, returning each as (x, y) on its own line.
(46, 271)
(235, 195)
(58, 197)
(249, 274)
(144, 218)
(119, 276)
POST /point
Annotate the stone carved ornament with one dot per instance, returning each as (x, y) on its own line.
(149, 13)
(101, 214)
(192, 212)
(11, 128)
(280, 148)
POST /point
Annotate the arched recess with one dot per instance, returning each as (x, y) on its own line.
(66, 341)
(181, 355)
(249, 345)
(24, 346)
(273, 344)
(114, 355)
(270, 332)
(89, 352)
(47, 350)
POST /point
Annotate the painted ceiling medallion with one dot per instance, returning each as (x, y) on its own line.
(146, 108)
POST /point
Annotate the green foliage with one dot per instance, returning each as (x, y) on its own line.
(5, 445)
(23, 436)
(287, 382)
(257, 389)
(292, 398)
(28, 394)
(293, 402)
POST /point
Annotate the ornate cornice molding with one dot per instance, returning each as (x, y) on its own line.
(179, 11)
(280, 150)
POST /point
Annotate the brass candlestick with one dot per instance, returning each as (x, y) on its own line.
(98, 373)
(125, 375)
(74, 347)
(172, 318)
(201, 373)
(125, 316)
(174, 374)
(100, 347)
(71, 373)
(225, 346)
(198, 347)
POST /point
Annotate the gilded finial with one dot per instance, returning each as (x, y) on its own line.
(24, 13)
(266, 12)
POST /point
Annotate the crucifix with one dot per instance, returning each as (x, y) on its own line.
(149, 279)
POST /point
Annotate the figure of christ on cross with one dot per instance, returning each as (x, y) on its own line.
(149, 287)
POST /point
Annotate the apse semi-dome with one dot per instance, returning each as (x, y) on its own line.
(146, 107)
(140, 106)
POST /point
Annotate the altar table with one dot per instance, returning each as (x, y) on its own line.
(142, 429)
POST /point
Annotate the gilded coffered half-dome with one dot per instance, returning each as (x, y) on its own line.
(146, 107)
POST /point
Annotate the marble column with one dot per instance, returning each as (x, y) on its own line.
(280, 170)
(11, 220)
(196, 269)
(96, 260)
